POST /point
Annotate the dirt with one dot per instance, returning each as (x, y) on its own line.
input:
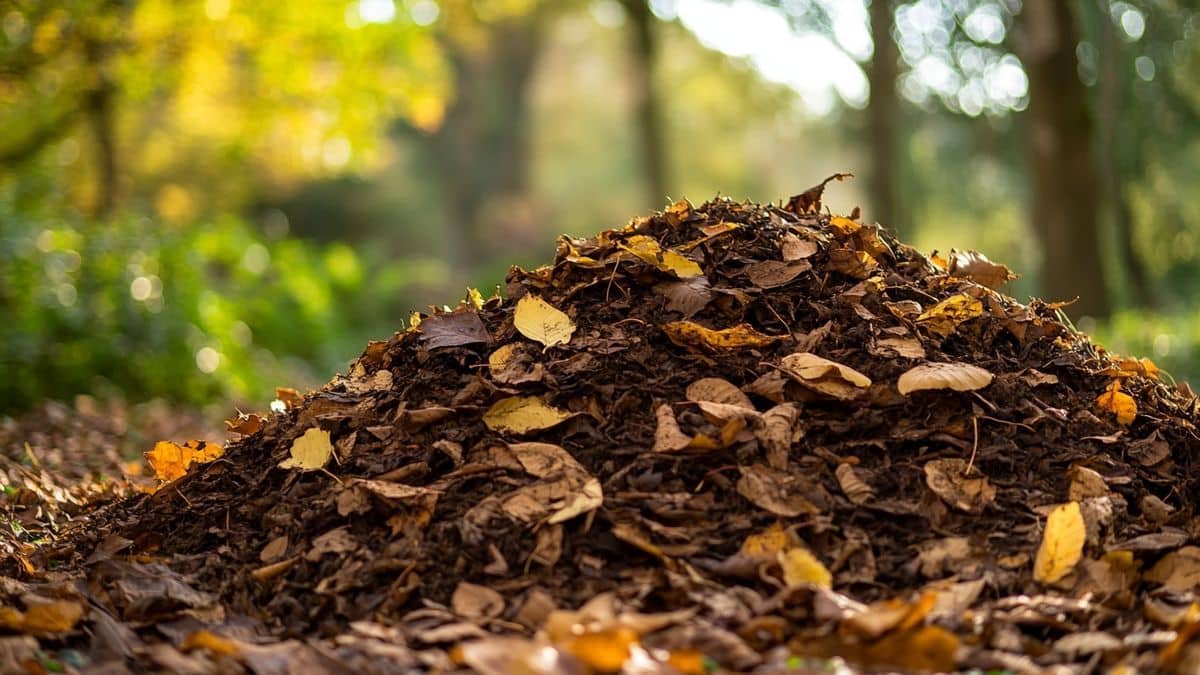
(646, 493)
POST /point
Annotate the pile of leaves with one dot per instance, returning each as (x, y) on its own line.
(730, 437)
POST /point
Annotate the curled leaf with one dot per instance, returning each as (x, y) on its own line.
(956, 376)
(689, 334)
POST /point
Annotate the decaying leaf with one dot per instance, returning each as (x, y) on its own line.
(472, 601)
(855, 489)
(687, 296)
(245, 424)
(792, 248)
(648, 250)
(462, 327)
(949, 480)
(571, 489)
(171, 461)
(688, 334)
(717, 390)
(538, 320)
(975, 266)
(809, 201)
(773, 273)
(776, 492)
(776, 433)
(668, 437)
(944, 317)
(937, 375)
(1117, 402)
(824, 376)
(310, 451)
(1178, 570)
(1062, 544)
(522, 415)
(905, 347)
(58, 616)
(511, 365)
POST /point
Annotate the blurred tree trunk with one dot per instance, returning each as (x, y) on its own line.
(643, 48)
(480, 153)
(1065, 187)
(1122, 158)
(883, 112)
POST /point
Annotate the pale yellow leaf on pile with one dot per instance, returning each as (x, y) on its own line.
(689, 334)
(309, 452)
(523, 414)
(956, 376)
(945, 317)
(801, 567)
(651, 252)
(1062, 544)
(538, 320)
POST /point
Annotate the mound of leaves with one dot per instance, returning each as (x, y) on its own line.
(730, 437)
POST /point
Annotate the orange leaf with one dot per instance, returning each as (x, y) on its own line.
(171, 461)
(1117, 402)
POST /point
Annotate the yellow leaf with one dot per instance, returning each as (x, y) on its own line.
(474, 298)
(649, 251)
(844, 227)
(801, 567)
(1062, 544)
(309, 452)
(523, 414)
(171, 461)
(414, 320)
(689, 334)
(956, 376)
(538, 320)
(59, 616)
(498, 359)
(1117, 402)
(768, 544)
(945, 317)
(206, 639)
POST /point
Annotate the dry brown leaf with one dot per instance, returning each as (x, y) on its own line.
(792, 248)
(774, 273)
(455, 329)
(688, 334)
(687, 296)
(904, 347)
(717, 390)
(472, 601)
(855, 489)
(1062, 544)
(851, 262)
(245, 424)
(522, 415)
(824, 376)
(945, 317)
(777, 432)
(975, 266)
(668, 437)
(570, 491)
(1178, 570)
(1085, 483)
(948, 480)
(511, 365)
(538, 320)
(776, 492)
(937, 375)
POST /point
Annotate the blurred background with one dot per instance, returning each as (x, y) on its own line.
(203, 199)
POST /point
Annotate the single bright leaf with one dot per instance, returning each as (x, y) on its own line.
(59, 616)
(523, 414)
(956, 376)
(651, 252)
(768, 544)
(309, 452)
(945, 317)
(1117, 402)
(1062, 544)
(689, 334)
(538, 320)
(801, 567)
(171, 461)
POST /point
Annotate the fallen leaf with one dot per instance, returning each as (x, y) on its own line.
(975, 266)
(668, 437)
(455, 329)
(604, 651)
(538, 320)
(472, 601)
(1117, 402)
(765, 546)
(938, 375)
(809, 201)
(523, 414)
(776, 433)
(206, 639)
(244, 424)
(651, 252)
(843, 227)
(857, 491)
(511, 365)
(945, 317)
(310, 451)
(801, 568)
(572, 490)
(1178, 570)
(688, 334)
(776, 492)
(792, 248)
(773, 273)
(717, 390)
(824, 376)
(1085, 483)
(58, 616)
(687, 296)
(1062, 544)
(904, 347)
(948, 480)
(171, 461)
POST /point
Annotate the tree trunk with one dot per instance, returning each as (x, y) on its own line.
(643, 49)
(98, 111)
(1065, 186)
(883, 114)
(1117, 166)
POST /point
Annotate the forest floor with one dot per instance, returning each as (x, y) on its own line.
(724, 438)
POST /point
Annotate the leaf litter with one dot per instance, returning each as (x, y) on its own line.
(693, 444)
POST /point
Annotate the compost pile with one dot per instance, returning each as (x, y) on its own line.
(728, 437)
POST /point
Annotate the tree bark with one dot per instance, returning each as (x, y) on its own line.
(1065, 187)
(883, 116)
(98, 111)
(643, 50)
